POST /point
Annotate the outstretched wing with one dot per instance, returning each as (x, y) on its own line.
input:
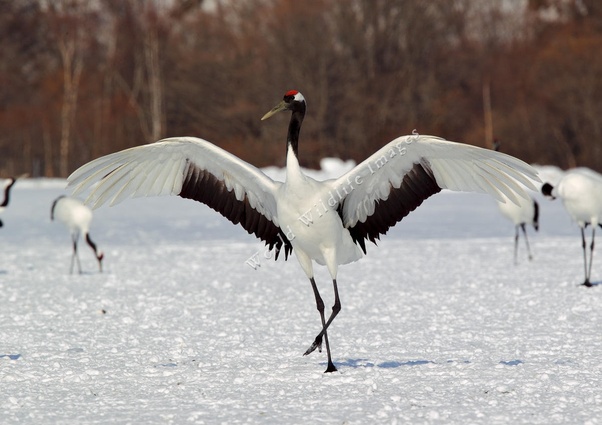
(395, 180)
(191, 168)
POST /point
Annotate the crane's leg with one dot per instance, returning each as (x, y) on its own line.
(515, 245)
(318, 341)
(591, 259)
(583, 245)
(75, 255)
(336, 308)
(526, 241)
(74, 245)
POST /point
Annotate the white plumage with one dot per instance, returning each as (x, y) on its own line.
(77, 218)
(580, 190)
(323, 221)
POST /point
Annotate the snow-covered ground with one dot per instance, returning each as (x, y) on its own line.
(437, 326)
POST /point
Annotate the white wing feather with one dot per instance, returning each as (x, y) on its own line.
(455, 166)
(159, 169)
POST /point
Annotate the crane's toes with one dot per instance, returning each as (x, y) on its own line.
(331, 367)
(587, 283)
(316, 344)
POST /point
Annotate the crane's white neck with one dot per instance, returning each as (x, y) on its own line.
(293, 170)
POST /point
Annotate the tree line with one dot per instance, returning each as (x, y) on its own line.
(81, 79)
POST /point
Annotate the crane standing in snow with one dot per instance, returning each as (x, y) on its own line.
(77, 217)
(521, 213)
(323, 221)
(580, 190)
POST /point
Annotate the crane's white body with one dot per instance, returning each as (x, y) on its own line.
(77, 218)
(522, 212)
(311, 224)
(580, 190)
(322, 221)
(74, 215)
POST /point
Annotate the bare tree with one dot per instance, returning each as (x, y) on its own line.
(68, 22)
(69, 46)
(80, 79)
(147, 33)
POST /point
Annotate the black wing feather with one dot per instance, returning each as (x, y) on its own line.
(417, 185)
(202, 186)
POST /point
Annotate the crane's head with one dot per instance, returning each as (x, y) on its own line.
(547, 190)
(99, 256)
(292, 101)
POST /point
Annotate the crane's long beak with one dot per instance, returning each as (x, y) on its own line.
(282, 106)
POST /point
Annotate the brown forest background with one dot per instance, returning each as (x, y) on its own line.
(80, 79)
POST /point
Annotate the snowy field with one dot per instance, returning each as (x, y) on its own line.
(438, 325)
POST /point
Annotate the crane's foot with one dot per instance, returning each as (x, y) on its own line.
(317, 344)
(331, 367)
(587, 283)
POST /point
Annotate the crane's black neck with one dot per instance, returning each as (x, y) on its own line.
(92, 244)
(99, 255)
(7, 194)
(294, 127)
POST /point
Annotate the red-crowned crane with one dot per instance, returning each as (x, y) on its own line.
(521, 213)
(77, 218)
(580, 190)
(323, 221)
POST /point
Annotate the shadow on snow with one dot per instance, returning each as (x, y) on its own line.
(393, 364)
(357, 363)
